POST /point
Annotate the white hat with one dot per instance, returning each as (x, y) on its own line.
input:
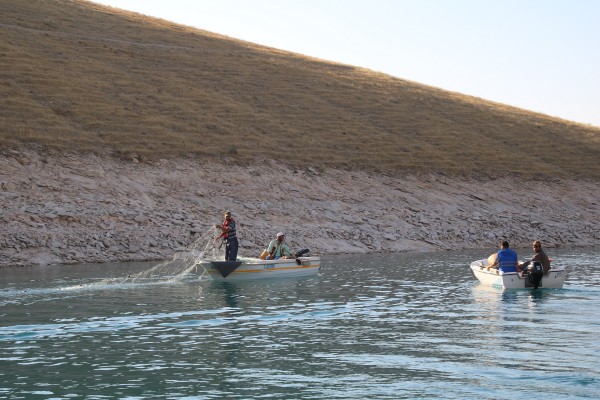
(280, 234)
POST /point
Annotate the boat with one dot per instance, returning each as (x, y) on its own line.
(256, 268)
(516, 280)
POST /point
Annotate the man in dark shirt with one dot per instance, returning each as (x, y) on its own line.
(539, 255)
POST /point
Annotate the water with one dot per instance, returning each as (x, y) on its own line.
(372, 326)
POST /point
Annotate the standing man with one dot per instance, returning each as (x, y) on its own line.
(229, 235)
(507, 260)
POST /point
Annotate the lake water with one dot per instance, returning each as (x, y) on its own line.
(388, 326)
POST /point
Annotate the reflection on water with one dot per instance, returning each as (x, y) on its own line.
(371, 326)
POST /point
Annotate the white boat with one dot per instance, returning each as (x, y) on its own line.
(516, 280)
(255, 268)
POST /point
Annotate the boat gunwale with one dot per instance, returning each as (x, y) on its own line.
(261, 271)
(257, 261)
(483, 269)
(263, 268)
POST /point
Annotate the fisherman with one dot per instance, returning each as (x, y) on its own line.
(278, 249)
(228, 234)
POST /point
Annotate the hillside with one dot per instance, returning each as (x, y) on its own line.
(76, 76)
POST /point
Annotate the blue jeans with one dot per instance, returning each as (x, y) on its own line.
(231, 249)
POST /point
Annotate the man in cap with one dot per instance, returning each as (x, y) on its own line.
(229, 236)
(278, 249)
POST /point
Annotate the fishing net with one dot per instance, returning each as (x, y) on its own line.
(184, 263)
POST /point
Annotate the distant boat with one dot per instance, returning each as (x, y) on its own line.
(255, 268)
(516, 280)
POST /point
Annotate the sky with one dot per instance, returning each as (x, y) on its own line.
(540, 55)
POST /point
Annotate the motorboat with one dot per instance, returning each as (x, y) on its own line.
(517, 280)
(256, 268)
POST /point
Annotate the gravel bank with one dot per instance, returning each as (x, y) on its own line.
(76, 209)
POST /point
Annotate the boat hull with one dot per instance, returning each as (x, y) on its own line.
(513, 280)
(255, 268)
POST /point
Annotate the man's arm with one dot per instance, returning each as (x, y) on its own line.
(493, 265)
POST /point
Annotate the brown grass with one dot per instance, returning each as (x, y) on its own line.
(76, 76)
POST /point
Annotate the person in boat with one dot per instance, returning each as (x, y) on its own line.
(228, 234)
(539, 255)
(278, 249)
(506, 259)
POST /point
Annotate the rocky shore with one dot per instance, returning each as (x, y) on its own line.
(58, 209)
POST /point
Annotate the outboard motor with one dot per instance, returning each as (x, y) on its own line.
(535, 274)
(302, 253)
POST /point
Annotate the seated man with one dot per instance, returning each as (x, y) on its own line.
(539, 255)
(278, 249)
(507, 259)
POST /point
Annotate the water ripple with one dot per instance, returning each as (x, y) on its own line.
(386, 327)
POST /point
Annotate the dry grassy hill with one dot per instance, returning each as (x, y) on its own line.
(76, 76)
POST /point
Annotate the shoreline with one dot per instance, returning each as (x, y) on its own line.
(73, 208)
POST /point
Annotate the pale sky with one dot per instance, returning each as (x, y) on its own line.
(540, 55)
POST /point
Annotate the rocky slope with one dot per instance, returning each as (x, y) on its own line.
(75, 208)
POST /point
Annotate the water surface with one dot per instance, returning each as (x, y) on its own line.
(393, 326)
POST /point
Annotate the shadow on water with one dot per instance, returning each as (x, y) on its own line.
(240, 294)
(487, 294)
(531, 295)
(230, 293)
